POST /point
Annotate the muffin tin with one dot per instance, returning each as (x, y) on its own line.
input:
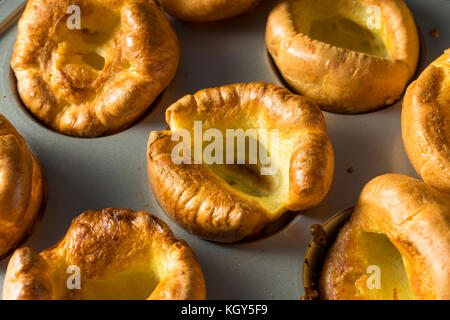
(323, 236)
(111, 171)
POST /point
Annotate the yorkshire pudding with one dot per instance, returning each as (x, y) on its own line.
(231, 201)
(400, 226)
(22, 189)
(98, 79)
(426, 123)
(121, 254)
(206, 10)
(349, 56)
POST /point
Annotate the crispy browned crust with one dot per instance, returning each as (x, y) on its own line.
(338, 79)
(206, 10)
(22, 193)
(76, 99)
(416, 219)
(426, 123)
(206, 205)
(103, 243)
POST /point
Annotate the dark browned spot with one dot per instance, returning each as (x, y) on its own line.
(434, 33)
(310, 294)
(350, 169)
(395, 296)
(318, 235)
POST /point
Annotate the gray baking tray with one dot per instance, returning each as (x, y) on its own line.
(104, 172)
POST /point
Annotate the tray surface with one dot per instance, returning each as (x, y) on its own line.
(111, 171)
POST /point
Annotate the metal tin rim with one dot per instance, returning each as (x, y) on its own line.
(315, 253)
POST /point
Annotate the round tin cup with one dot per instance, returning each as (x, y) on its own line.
(322, 238)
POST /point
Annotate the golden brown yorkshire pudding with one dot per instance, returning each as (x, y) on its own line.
(231, 201)
(98, 79)
(206, 10)
(400, 227)
(121, 254)
(22, 189)
(426, 123)
(349, 56)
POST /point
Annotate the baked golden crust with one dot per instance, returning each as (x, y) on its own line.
(415, 217)
(22, 189)
(340, 79)
(206, 10)
(107, 246)
(212, 202)
(426, 123)
(99, 79)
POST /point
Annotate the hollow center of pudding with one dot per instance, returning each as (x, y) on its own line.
(94, 60)
(267, 180)
(345, 33)
(245, 170)
(256, 164)
(135, 282)
(82, 51)
(342, 23)
(379, 251)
